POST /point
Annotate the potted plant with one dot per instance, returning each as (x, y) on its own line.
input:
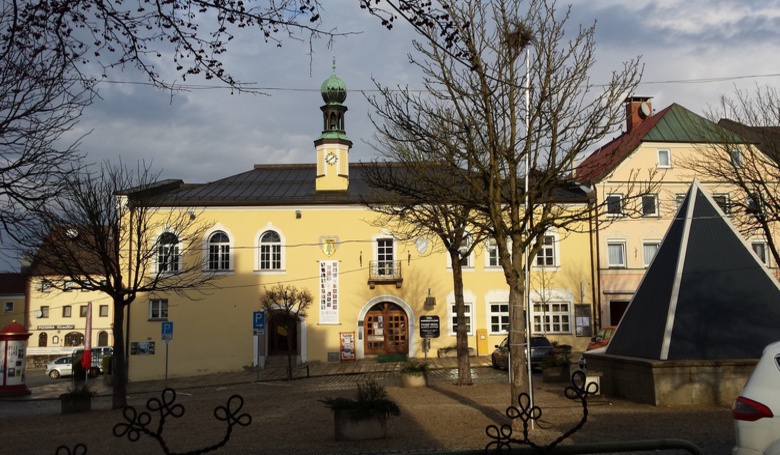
(555, 366)
(78, 398)
(452, 351)
(414, 373)
(364, 417)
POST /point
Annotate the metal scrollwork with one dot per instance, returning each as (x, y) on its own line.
(503, 437)
(139, 423)
(78, 449)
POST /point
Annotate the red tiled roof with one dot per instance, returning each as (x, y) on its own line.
(601, 162)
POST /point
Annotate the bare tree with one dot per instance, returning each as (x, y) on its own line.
(106, 233)
(416, 200)
(286, 305)
(744, 155)
(501, 139)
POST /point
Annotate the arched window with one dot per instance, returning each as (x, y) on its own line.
(103, 338)
(74, 339)
(219, 251)
(270, 251)
(168, 259)
(43, 340)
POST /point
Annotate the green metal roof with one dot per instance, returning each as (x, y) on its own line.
(679, 124)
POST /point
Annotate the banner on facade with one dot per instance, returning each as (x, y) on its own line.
(329, 292)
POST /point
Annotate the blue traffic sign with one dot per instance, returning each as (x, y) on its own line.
(258, 320)
(167, 331)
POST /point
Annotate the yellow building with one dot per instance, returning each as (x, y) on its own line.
(658, 151)
(307, 225)
(13, 296)
(57, 318)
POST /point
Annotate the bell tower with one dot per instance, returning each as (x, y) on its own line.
(333, 145)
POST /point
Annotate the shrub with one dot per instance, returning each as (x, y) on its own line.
(371, 397)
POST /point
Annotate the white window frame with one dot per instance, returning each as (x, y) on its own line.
(645, 244)
(655, 211)
(621, 211)
(735, 157)
(467, 262)
(224, 249)
(762, 243)
(156, 309)
(552, 319)
(492, 260)
(468, 298)
(259, 251)
(381, 270)
(553, 249)
(668, 161)
(497, 316)
(622, 244)
(162, 251)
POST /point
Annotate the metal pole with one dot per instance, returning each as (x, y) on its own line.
(166, 363)
(527, 296)
(257, 354)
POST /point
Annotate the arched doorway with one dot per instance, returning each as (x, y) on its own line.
(278, 340)
(74, 339)
(387, 330)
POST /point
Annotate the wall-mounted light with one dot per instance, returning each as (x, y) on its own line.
(430, 301)
(192, 215)
(297, 214)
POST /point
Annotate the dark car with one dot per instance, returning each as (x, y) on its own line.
(540, 348)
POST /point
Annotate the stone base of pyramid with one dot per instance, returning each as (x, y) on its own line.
(672, 382)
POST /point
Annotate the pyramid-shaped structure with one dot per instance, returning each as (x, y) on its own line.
(705, 295)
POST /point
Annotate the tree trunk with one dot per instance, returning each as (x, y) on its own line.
(462, 336)
(119, 388)
(290, 327)
(517, 352)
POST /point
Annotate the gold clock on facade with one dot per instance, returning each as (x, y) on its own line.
(331, 158)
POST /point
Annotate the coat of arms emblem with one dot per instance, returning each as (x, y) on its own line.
(328, 245)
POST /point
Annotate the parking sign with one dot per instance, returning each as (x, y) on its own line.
(167, 331)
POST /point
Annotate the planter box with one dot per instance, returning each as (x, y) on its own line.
(410, 380)
(75, 404)
(349, 427)
(447, 353)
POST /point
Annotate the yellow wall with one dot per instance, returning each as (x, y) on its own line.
(213, 332)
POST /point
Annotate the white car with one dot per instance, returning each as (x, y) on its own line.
(60, 367)
(756, 425)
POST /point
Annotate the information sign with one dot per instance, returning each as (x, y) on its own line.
(429, 327)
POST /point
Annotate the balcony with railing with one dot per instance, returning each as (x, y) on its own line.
(384, 272)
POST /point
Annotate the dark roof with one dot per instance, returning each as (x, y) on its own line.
(673, 124)
(705, 295)
(12, 283)
(766, 138)
(295, 184)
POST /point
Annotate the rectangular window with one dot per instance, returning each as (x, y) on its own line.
(760, 249)
(723, 202)
(616, 254)
(649, 250)
(44, 311)
(454, 319)
(678, 199)
(492, 254)
(664, 159)
(385, 257)
(66, 311)
(615, 205)
(499, 318)
(45, 286)
(546, 255)
(650, 205)
(754, 203)
(67, 286)
(736, 158)
(83, 311)
(8, 307)
(158, 309)
(103, 311)
(465, 245)
(552, 317)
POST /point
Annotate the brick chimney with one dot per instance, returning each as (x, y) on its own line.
(638, 108)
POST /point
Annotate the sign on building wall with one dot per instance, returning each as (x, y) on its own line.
(347, 346)
(329, 292)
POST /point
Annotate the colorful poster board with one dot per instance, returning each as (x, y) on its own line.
(347, 346)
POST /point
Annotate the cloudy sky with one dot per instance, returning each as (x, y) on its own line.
(694, 51)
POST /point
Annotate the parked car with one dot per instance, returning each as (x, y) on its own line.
(98, 352)
(60, 367)
(602, 338)
(540, 347)
(756, 425)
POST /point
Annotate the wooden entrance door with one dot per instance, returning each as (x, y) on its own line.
(387, 330)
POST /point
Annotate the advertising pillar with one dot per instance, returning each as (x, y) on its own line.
(13, 360)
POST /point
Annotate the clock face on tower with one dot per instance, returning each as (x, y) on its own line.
(331, 158)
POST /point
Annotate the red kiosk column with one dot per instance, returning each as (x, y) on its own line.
(13, 360)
